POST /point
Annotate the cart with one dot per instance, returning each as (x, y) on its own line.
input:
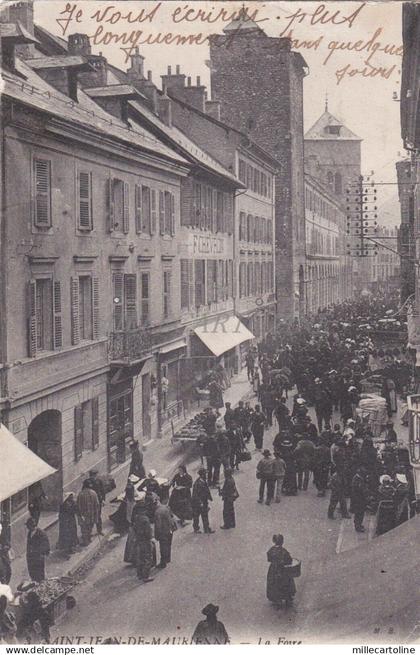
(372, 409)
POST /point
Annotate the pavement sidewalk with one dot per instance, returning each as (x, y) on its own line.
(159, 454)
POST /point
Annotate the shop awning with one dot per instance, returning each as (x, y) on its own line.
(20, 467)
(175, 345)
(223, 334)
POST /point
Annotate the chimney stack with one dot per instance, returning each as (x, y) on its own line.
(23, 13)
(173, 82)
(164, 106)
(136, 72)
(78, 44)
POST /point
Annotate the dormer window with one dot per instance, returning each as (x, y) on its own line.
(333, 129)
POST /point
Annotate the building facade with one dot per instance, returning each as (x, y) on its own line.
(406, 170)
(328, 271)
(386, 269)
(268, 107)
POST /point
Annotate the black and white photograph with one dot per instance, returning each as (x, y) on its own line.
(209, 324)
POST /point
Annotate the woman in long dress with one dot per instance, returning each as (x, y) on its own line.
(122, 517)
(280, 586)
(180, 500)
(67, 525)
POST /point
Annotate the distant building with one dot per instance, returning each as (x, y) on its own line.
(259, 82)
(386, 264)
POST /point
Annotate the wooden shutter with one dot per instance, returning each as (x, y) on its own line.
(42, 192)
(95, 308)
(78, 432)
(172, 212)
(130, 301)
(74, 303)
(110, 204)
(95, 423)
(161, 212)
(138, 207)
(185, 286)
(58, 328)
(153, 211)
(118, 284)
(32, 336)
(126, 208)
(85, 200)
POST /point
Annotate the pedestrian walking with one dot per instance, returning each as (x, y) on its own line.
(136, 463)
(224, 448)
(165, 526)
(88, 506)
(304, 453)
(229, 416)
(321, 467)
(180, 499)
(236, 445)
(67, 525)
(280, 586)
(229, 494)
(359, 498)
(212, 455)
(37, 549)
(210, 631)
(142, 530)
(250, 365)
(266, 477)
(258, 422)
(279, 471)
(36, 499)
(98, 487)
(337, 496)
(201, 497)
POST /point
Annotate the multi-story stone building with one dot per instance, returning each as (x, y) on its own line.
(254, 207)
(386, 268)
(328, 271)
(259, 83)
(99, 208)
(406, 239)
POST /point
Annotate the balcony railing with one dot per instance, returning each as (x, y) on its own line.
(130, 345)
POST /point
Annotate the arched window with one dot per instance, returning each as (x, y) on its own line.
(338, 184)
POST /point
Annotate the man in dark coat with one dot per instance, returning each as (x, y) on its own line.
(98, 486)
(229, 494)
(200, 502)
(265, 474)
(236, 446)
(229, 416)
(143, 536)
(258, 423)
(282, 414)
(359, 498)
(136, 464)
(223, 445)
(210, 631)
(165, 526)
(212, 455)
(267, 403)
(304, 453)
(321, 467)
(337, 496)
(37, 549)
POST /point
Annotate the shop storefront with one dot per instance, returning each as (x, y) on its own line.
(170, 357)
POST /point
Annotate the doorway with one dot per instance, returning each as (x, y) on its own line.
(44, 439)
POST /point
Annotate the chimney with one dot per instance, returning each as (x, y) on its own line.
(113, 99)
(135, 72)
(173, 82)
(78, 44)
(13, 36)
(148, 89)
(213, 108)
(23, 13)
(165, 109)
(195, 95)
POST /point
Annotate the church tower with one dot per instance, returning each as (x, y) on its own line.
(333, 154)
(258, 81)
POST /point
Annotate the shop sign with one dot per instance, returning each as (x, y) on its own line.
(207, 245)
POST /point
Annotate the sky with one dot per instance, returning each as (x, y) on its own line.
(339, 38)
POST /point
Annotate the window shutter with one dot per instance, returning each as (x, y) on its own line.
(95, 308)
(74, 302)
(161, 212)
(153, 211)
(130, 301)
(85, 201)
(172, 212)
(126, 208)
(110, 204)
(191, 282)
(42, 179)
(137, 202)
(118, 282)
(210, 280)
(58, 328)
(228, 207)
(78, 432)
(214, 217)
(32, 336)
(95, 423)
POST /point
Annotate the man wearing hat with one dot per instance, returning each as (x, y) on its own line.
(37, 549)
(98, 486)
(210, 631)
(265, 474)
(229, 493)
(200, 502)
(136, 464)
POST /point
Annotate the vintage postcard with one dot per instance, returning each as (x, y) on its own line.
(209, 380)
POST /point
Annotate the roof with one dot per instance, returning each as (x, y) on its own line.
(17, 32)
(36, 93)
(189, 147)
(242, 23)
(63, 61)
(317, 131)
(113, 90)
(20, 467)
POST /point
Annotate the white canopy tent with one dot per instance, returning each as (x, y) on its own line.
(20, 467)
(223, 334)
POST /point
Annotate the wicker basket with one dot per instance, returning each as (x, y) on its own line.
(293, 570)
